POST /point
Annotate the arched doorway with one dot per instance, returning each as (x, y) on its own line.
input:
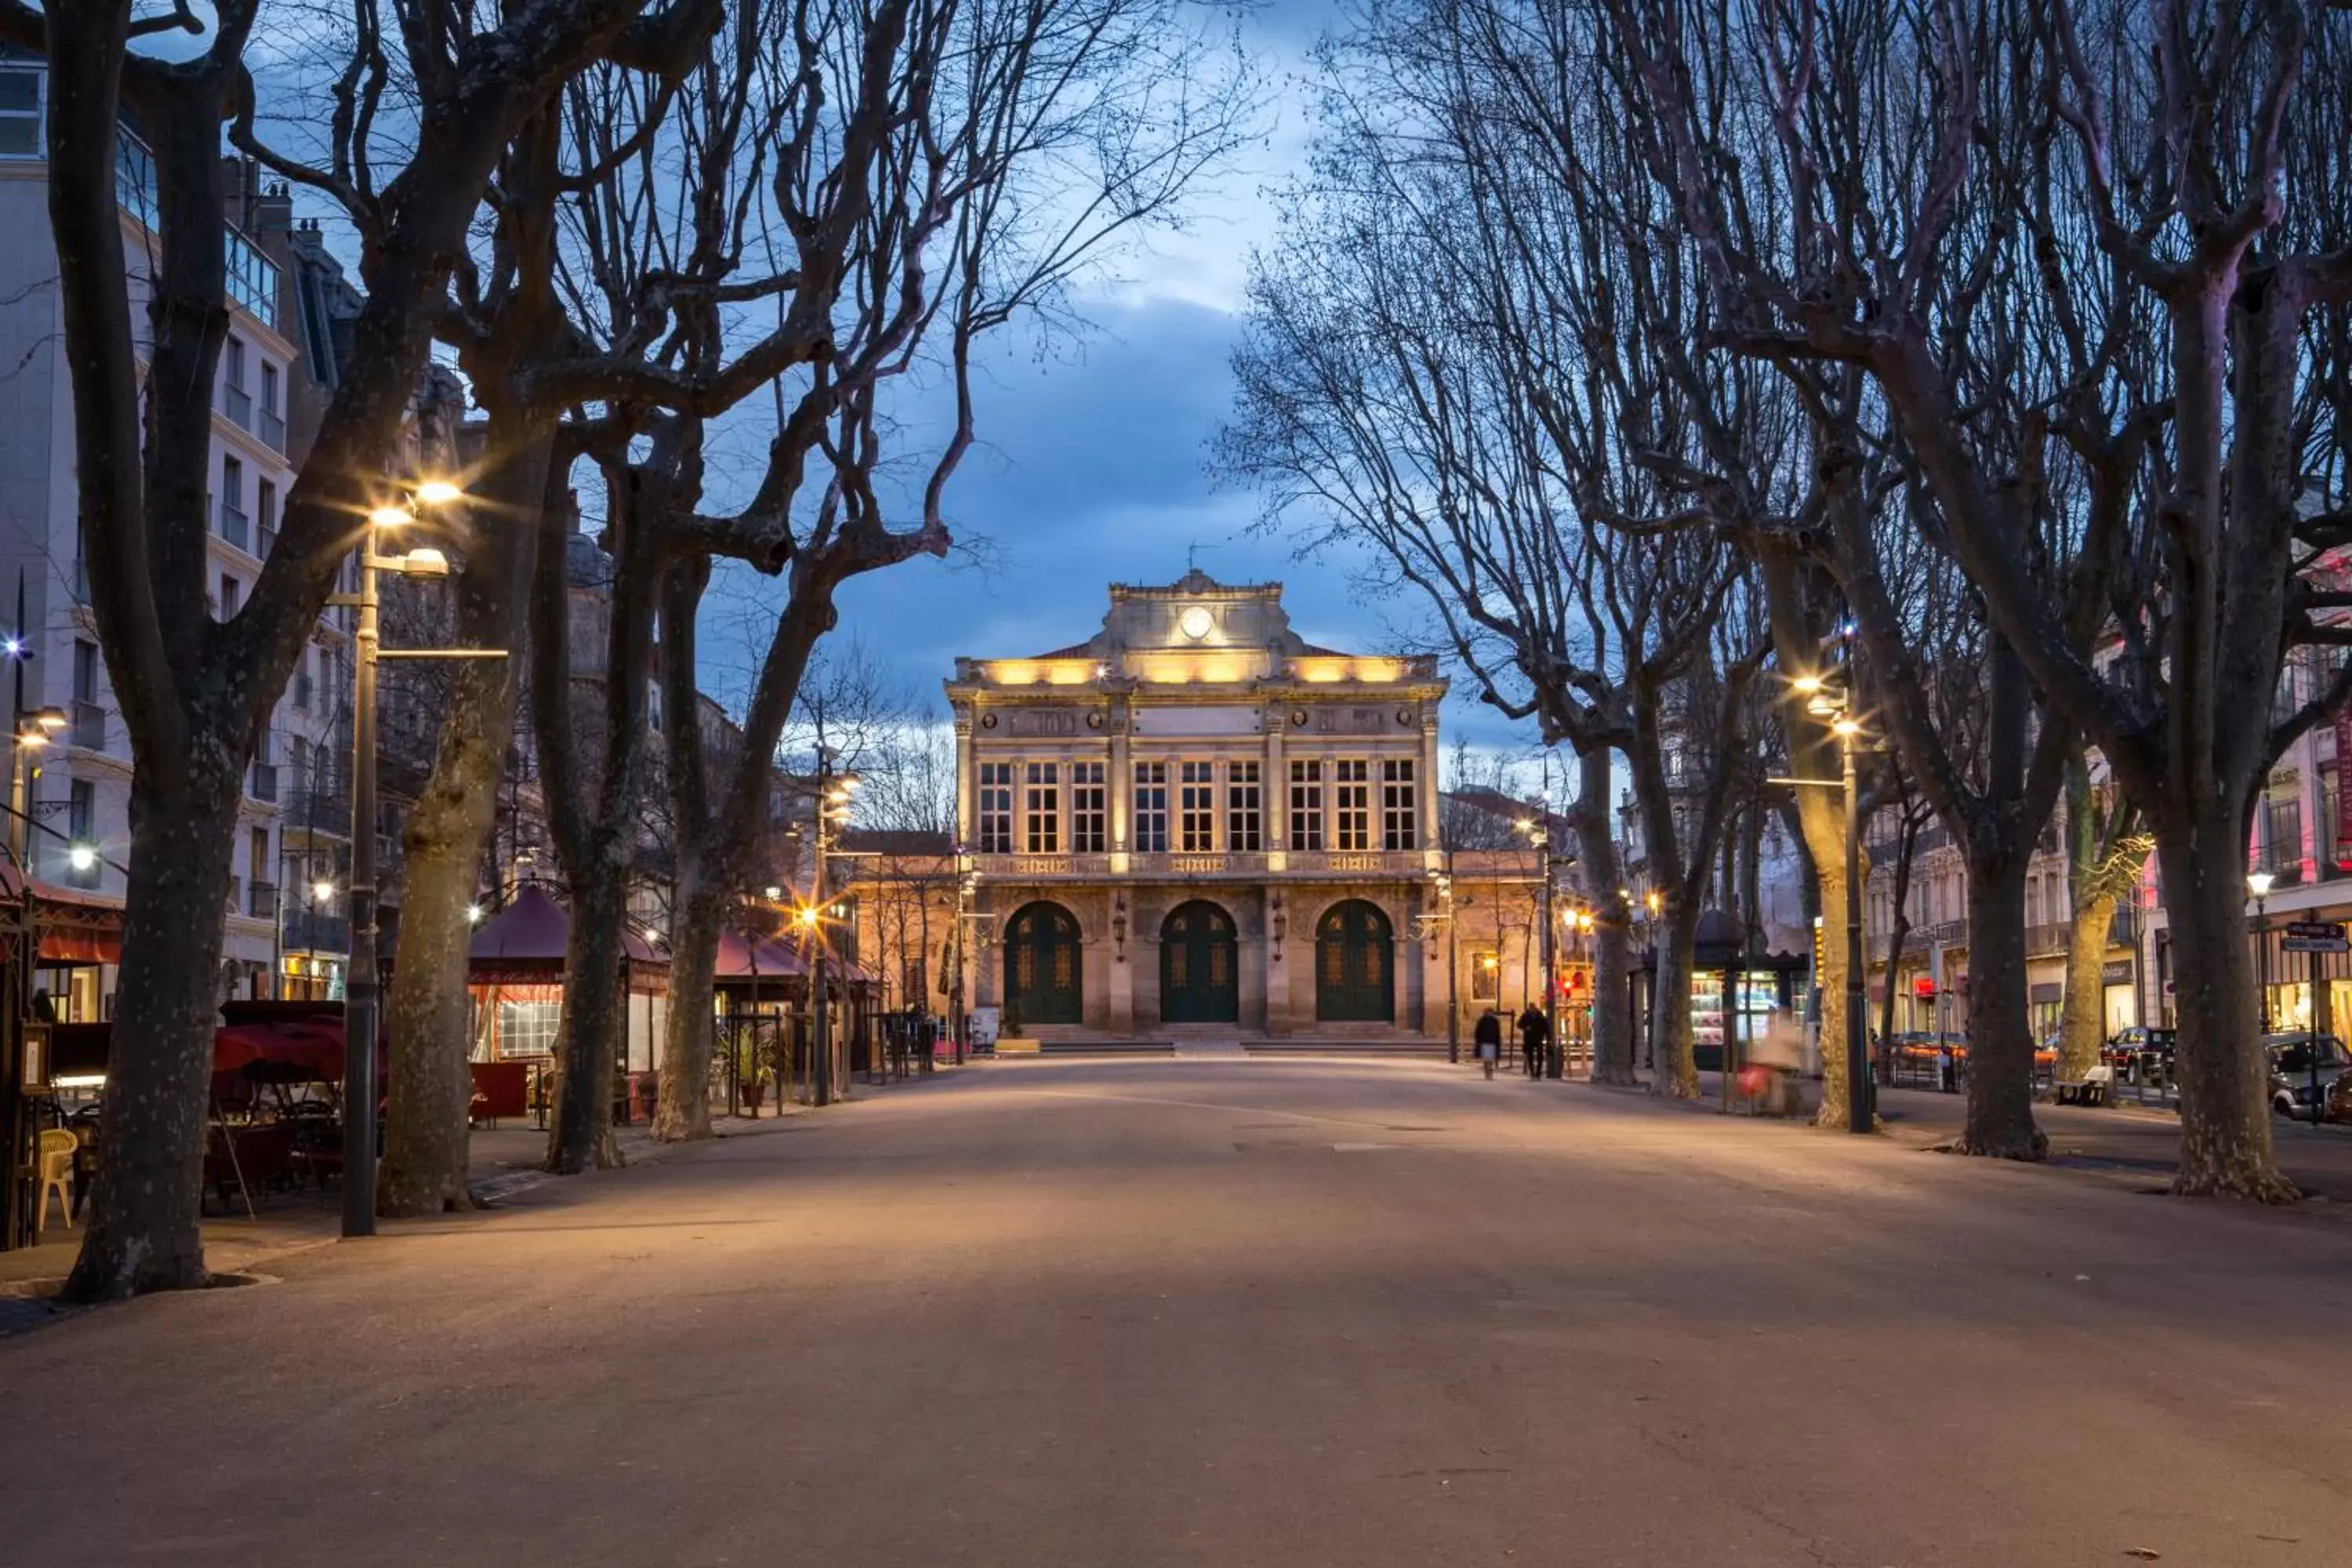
(1198, 975)
(1355, 977)
(1044, 966)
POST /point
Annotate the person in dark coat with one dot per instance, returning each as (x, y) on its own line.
(1534, 1036)
(1488, 1037)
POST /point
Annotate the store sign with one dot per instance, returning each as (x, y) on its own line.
(2119, 971)
(2343, 795)
(2316, 936)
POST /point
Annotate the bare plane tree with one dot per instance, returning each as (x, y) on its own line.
(194, 694)
(2108, 239)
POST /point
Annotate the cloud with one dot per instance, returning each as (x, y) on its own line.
(1093, 466)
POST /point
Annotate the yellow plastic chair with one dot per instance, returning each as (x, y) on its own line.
(57, 1147)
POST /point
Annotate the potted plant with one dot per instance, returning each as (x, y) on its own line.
(750, 1070)
(1009, 1021)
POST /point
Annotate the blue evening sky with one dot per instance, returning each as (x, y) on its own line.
(1095, 464)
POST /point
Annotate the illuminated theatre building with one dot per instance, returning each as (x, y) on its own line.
(1197, 818)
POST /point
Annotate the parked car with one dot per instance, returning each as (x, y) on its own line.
(2135, 1046)
(2296, 1091)
(2339, 1098)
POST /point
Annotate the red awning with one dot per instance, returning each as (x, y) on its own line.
(316, 1049)
(76, 927)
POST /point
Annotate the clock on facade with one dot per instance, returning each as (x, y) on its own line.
(1195, 623)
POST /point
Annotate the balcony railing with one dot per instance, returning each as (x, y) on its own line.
(2053, 937)
(310, 931)
(88, 726)
(1347, 862)
(235, 526)
(264, 786)
(237, 403)
(252, 277)
(321, 809)
(261, 900)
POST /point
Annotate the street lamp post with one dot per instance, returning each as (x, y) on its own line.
(1828, 697)
(834, 791)
(2259, 883)
(1540, 832)
(35, 729)
(964, 889)
(1453, 969)
(362, 985)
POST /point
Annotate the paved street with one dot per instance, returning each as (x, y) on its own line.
(1104, 1315)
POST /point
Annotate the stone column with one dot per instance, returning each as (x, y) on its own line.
(965, 783)
(1427, 799)
(1121, 783)
(1278, 783)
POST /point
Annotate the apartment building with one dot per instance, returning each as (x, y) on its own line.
(79, 801)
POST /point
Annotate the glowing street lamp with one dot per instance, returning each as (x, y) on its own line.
(363, 986)
(1828, 697)
(2259, 884)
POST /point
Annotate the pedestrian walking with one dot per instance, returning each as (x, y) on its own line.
(1535, 1034)
(1490, 1038)
(1947, 1078)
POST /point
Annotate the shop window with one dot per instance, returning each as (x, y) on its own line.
(1088, 830)
(1398, 813)
(528, 1029)
(1045, 808)
(1353, 806)
(1197, 808)
(1242, 813)
(996, 808)
(1486, 976)
(1151, 809)
(1306, 804)
(20, 114)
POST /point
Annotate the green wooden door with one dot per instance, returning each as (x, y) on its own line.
(1198, 983)
(1044, 967)
(1355, 974)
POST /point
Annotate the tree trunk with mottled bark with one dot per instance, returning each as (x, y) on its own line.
(2225, 1146)
(1797, 623)
(1675, 1071)
(2082, 1021)
(595, 829)
(428, 1006)
(142, 1226)
(2001, 1031)
(594, 1000)
(1612, 1004)
(1821, 815)
(697, 919)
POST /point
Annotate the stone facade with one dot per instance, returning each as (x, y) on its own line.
(1196, 817)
